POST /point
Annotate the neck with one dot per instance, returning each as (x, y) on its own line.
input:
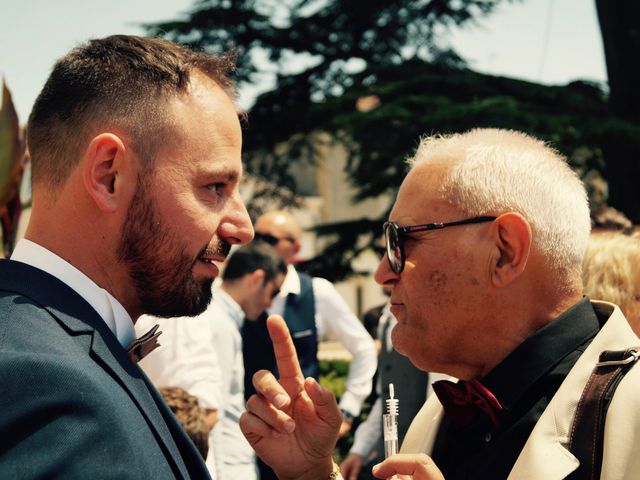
(234, 289)
(517, 323)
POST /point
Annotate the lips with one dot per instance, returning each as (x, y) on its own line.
(209, 265)
(395, 303)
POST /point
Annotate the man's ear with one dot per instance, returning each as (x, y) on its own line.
(512, 236)
(256, 278)
(103, 167)
(297, 245)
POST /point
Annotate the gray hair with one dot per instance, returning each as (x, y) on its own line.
(496, 171)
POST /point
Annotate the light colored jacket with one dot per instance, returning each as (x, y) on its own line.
(545, 454)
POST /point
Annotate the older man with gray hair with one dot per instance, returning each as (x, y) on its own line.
(484, 254)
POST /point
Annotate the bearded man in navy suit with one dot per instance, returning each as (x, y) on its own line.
(135, 147)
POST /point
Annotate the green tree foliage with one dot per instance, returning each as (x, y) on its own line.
(331, 32)
(308, 47)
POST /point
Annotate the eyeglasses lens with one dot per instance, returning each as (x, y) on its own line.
(394, 252)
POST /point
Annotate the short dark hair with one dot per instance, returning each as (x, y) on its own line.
(252, 257)
(119, 81)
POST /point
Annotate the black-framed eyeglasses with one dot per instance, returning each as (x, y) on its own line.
(271, 239)
(394, 237)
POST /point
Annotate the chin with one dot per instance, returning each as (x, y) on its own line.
(397, 344)
(399, 348)
(413, 356)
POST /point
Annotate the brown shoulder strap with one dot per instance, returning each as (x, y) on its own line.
(587, 432)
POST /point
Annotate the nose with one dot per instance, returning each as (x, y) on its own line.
(236, 226)
(384, 275)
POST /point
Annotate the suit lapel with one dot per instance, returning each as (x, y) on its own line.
(422, 432)
(545, 455)
(161, 421)
(78, 318)
(188, 452)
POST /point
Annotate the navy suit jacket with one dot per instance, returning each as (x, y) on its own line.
(72, 404)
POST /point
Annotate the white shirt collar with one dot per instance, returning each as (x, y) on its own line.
(111, 311)
(229, 305)
(291, 283)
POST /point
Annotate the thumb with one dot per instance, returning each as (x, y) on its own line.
(324, 402)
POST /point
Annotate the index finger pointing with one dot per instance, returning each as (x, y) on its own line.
(285, 351)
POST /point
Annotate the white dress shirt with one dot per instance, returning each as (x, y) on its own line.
(186, 357)
(334, 317)
(109, 309)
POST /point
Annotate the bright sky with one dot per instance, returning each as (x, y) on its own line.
(547, 41)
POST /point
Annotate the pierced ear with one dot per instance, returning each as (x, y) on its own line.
(103, 162)
(513, 241)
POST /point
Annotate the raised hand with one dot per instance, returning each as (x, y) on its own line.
(291, 423)
(415, 466)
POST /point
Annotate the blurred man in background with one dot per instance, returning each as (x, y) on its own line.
(313, 309)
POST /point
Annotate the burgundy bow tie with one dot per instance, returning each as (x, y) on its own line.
(463, 402)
